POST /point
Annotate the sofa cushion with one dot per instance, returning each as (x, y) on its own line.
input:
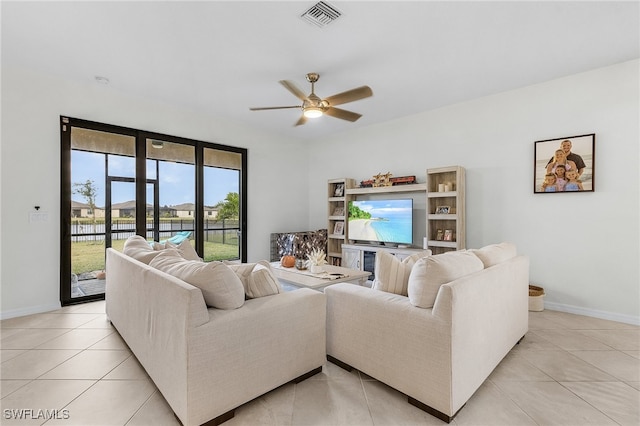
(496, 253)
(185, 248)
(257, 278)
(430, 273)
(220, 286)
(139, 249)
(392, 274)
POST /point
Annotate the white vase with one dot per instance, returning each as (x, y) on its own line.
(316, 269)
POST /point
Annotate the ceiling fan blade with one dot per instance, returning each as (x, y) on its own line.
(282, 107)
(342, 114)
(350, 95)
(301, 121)
(294, 89)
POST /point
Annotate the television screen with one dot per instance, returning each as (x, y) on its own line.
(385, 221)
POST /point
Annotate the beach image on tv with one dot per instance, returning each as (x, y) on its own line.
(381, 220)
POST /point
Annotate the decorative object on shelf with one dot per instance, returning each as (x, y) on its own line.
(339, 211)
(380, 180)
(443, 209)
(339, 192)
(317, 258)
(439, 234)
(448, 235)
(564, 164)
(338, 228)
(402, 180)
(288, 261)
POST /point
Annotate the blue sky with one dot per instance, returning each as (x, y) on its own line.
(177, 181)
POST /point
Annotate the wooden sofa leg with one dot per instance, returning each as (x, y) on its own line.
(339, 363)
(305, 376)
(518, 342)
(435, 413)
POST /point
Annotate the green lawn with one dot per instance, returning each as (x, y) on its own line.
(89, 256)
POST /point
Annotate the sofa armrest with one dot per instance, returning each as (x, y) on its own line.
(386, 337)
(242, 353)
(154, 313)
(488, 313)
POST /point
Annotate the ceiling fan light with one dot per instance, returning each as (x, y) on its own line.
(312, 112)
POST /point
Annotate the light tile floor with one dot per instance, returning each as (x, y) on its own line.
(568, 370)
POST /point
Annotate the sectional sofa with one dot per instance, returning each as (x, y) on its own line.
(456, 317)
(205, 360)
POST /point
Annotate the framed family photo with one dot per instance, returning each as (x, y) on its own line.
(564, 164)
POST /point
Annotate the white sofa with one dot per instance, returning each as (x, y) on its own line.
(207, 361)
(437, 356)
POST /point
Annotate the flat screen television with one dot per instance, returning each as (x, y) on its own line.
(381, 221)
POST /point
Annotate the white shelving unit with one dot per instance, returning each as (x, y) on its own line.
(446, 188)
(337, 213)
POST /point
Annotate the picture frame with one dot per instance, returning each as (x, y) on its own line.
(339, 191)
(564, 164)
(338, 211)
(439, 234)
(448, 235)
(443, 209)
(338, 228)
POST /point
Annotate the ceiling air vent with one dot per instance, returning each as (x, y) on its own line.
(321, 14)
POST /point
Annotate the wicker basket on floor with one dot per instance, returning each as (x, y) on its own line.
(536, 298)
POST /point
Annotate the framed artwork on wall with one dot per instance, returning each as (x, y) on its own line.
(564, 164)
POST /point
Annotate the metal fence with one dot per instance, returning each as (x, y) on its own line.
(215, 230)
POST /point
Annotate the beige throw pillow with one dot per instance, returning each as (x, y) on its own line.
(138, 248)
(257, 278)
(496, 253)
(430, 273)
(220, 286)
(185, 248)
(392, 274)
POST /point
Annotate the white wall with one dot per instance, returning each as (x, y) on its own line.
(30, 174)
(583, 247)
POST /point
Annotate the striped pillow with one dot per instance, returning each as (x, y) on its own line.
(392, 274)
(257, 279)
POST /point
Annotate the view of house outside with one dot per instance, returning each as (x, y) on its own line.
(176, 188)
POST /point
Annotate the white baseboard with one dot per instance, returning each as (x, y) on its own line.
(29, 311)
(611, 316)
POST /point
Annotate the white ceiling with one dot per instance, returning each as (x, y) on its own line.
(221, 58)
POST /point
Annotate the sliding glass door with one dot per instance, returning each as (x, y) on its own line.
(117, 182)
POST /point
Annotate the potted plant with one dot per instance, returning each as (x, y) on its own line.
(317, 258)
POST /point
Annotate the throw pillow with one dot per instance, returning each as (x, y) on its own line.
(188, 251)
(392, 274)
(138, 248)
(220, 286)
(496, 253)
(257, 279)
(430, 273)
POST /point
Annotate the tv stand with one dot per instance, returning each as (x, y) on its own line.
(362, 256)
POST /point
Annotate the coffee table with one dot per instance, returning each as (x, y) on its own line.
(333, 275)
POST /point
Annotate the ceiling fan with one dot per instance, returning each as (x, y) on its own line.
(312, 106)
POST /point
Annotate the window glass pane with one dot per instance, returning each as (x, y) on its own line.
(176, 180)
(122, 166)
(222, 214)
(93, 155)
